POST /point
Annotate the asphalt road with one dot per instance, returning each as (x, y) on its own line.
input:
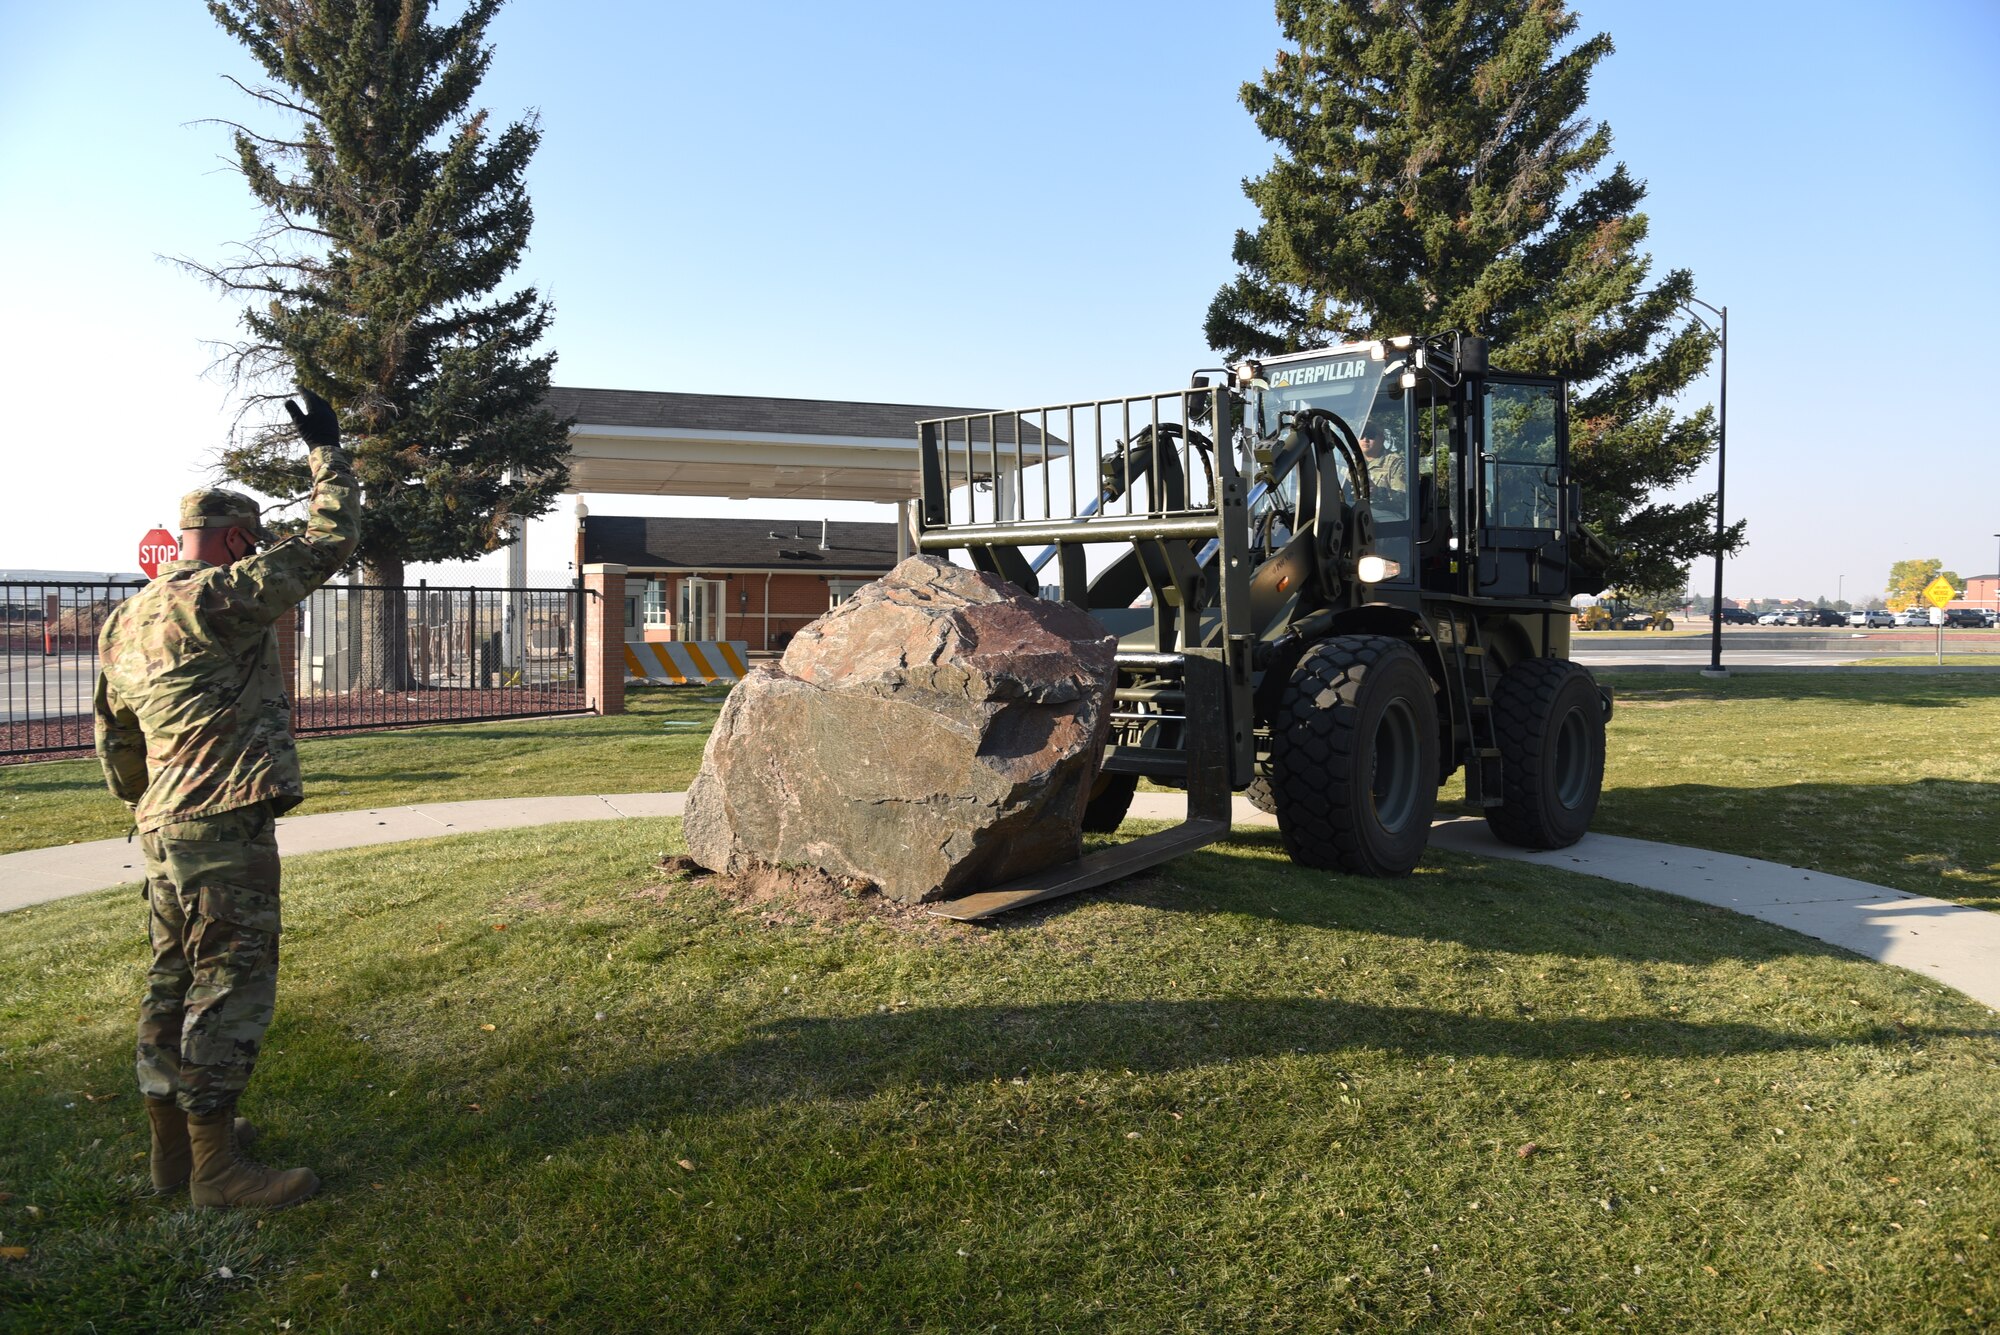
(33, 686)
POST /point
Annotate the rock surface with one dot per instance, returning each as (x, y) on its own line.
(936, 733)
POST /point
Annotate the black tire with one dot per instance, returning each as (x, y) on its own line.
(1354, 757)
(1109, 801)
(1261, 797)
(1548, 717)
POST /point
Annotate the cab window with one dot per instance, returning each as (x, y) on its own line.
(1521, 457)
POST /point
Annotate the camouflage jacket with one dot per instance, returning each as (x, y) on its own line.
(1391, 471)
(192, 712)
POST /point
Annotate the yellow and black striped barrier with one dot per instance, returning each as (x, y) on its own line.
(679, 662)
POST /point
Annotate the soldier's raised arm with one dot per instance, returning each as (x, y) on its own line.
(272, 582)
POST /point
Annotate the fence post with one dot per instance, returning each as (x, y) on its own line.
(603, 648)
(424, 633)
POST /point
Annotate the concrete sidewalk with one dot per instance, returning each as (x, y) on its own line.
(41, 874)
(1958, 946)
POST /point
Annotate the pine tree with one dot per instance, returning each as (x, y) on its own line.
(392, 216)
(1435, 172)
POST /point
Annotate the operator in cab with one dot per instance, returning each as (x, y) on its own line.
(1388, 470)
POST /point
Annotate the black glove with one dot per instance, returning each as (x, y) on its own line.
(317, 425)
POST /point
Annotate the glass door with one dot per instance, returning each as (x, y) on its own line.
(1521, 448)
(700, 609)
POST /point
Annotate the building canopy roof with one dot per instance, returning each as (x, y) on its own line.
(738, 544)
(643, 442)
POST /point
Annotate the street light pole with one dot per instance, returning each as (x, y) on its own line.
(1839, 585)
(1721, 313)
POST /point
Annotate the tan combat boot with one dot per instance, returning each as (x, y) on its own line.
(172, 1159)
(225, 1176)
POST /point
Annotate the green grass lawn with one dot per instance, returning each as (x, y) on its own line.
(1884, 778)
(547, 1088)
(655, 746)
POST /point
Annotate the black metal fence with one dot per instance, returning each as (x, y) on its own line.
(364, 658)
(422, 653)
(48, 662)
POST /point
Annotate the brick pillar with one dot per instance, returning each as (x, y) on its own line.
(603, 648)
(287, 628)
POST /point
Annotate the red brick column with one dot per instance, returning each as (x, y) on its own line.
(603, 648)
(287, 627)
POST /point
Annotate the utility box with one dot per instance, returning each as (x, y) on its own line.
(329, 641)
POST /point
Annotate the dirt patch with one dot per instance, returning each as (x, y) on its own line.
(795, 896)
(522, 902)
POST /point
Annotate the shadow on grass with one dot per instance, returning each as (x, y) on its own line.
(1928, 836)
(924, 1051)
(1483, 903)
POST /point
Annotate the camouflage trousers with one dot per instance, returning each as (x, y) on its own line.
(212, 895)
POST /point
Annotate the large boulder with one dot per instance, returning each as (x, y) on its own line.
(936, 733)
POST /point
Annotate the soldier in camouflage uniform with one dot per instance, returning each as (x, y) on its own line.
(1387, 471)
(194, 730)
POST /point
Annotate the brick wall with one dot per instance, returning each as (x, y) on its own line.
(796, 598)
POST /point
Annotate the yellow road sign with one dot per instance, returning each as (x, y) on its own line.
(1940, 591)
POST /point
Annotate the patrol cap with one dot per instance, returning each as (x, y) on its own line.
(217, 507)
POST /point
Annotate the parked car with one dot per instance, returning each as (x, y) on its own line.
(1738, 616)
(1964, 616)
(1870, 619)
(1822, 616)
(1771, 619)
(1913, 615)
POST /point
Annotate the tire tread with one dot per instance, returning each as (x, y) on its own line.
(1523, 711)
(1316, 722)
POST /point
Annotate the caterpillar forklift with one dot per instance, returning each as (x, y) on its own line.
(1337, 578)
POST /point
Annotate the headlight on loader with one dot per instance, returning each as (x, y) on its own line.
(1374, 569)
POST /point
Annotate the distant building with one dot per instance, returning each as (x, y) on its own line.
(36, 595)
(71, 576)
(1981, 591)
(756, 580)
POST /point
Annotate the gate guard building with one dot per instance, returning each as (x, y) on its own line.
(751, 580)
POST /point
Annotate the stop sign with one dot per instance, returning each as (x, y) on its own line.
(157, 548)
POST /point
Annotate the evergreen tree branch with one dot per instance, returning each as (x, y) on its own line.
(392, 220)
(1436, 169)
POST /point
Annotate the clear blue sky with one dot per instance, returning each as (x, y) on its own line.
(1007, 204)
